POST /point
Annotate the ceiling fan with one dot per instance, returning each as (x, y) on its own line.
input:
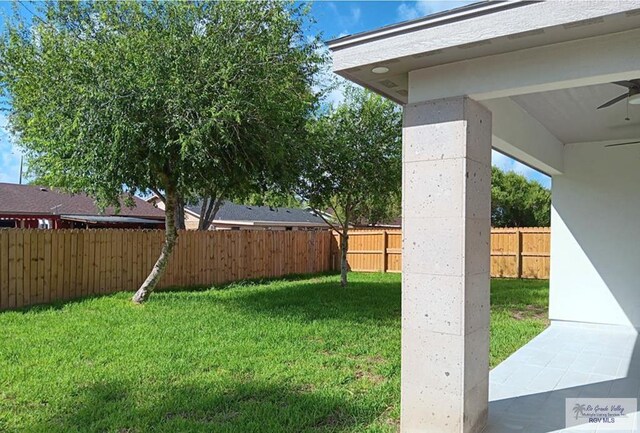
(633, 97)
(623, 144)
(633, 94)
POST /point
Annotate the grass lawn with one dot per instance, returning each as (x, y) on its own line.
(286, 356)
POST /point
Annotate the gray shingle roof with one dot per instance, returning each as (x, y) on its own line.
(239, 212)
(31, 199)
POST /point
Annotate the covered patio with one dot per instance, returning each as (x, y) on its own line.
(527, 391)
(529, 80)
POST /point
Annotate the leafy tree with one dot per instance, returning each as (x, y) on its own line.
(517, 201)
(375, 213)
(115, 98)
(355, 168)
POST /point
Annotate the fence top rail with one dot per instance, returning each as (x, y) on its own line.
(505, 230)
(371, 232)
(82, 230)
(77, 230)
(520, 229)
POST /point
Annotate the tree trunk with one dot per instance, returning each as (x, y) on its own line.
(203, 222)
(210, 207)
(344, 246)
(170, 237)
(179, 214)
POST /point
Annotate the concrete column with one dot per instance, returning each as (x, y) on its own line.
(445, 281)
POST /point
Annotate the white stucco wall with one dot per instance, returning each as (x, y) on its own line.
(595, 238)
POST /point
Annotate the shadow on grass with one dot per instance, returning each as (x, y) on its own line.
(60, 304)
(299, 297)
(55, 305)
(245, 407)
(361, 301)
(246, 282)
(315, 297)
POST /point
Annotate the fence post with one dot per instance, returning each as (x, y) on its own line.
(385, 243)
(518, 253)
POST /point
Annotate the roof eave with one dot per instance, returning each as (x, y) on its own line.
(270, 223)
(432, 20)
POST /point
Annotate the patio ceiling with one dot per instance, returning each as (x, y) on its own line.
(571, 114)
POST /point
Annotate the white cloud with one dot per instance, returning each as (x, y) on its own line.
(9, 154)
(332, 84)
(336, 95)
(407, 12)
(356, 13)
(346, 20)
(412, 10)
(506, 163)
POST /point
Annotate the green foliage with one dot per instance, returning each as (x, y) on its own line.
(517, 201)
(356, 162)
(285, 356)
(160, 96)
(375, 211)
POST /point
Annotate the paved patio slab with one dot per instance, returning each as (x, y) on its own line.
(527, 391)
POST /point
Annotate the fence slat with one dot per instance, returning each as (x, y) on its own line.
(26, 294)
(518, 244)
(46, 278)
(4, 269)
(66, 292)
(20, 269)
(13, 268)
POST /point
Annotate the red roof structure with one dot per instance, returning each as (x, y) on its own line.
(30, 206)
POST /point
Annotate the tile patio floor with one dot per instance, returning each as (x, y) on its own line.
(527, 391)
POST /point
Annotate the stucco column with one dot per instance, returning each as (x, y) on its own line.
(445, 280)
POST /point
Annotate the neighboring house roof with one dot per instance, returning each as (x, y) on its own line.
(363, 223)
(37, 200)
(264, 214)
(116, 219)
(397, 222)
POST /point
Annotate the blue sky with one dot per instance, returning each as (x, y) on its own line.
(333, 19)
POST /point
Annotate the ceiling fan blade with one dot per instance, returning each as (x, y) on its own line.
(613, 101)
(627, 84)
(623, 144)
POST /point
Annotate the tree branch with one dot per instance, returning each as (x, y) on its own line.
(159, 195)
(333, 227)
(335, 212)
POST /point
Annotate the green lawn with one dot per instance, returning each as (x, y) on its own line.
(286, 356)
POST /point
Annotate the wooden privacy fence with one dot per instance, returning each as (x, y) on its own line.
(515, 252)
(521, 252)
(370, 251)
(41, 266)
